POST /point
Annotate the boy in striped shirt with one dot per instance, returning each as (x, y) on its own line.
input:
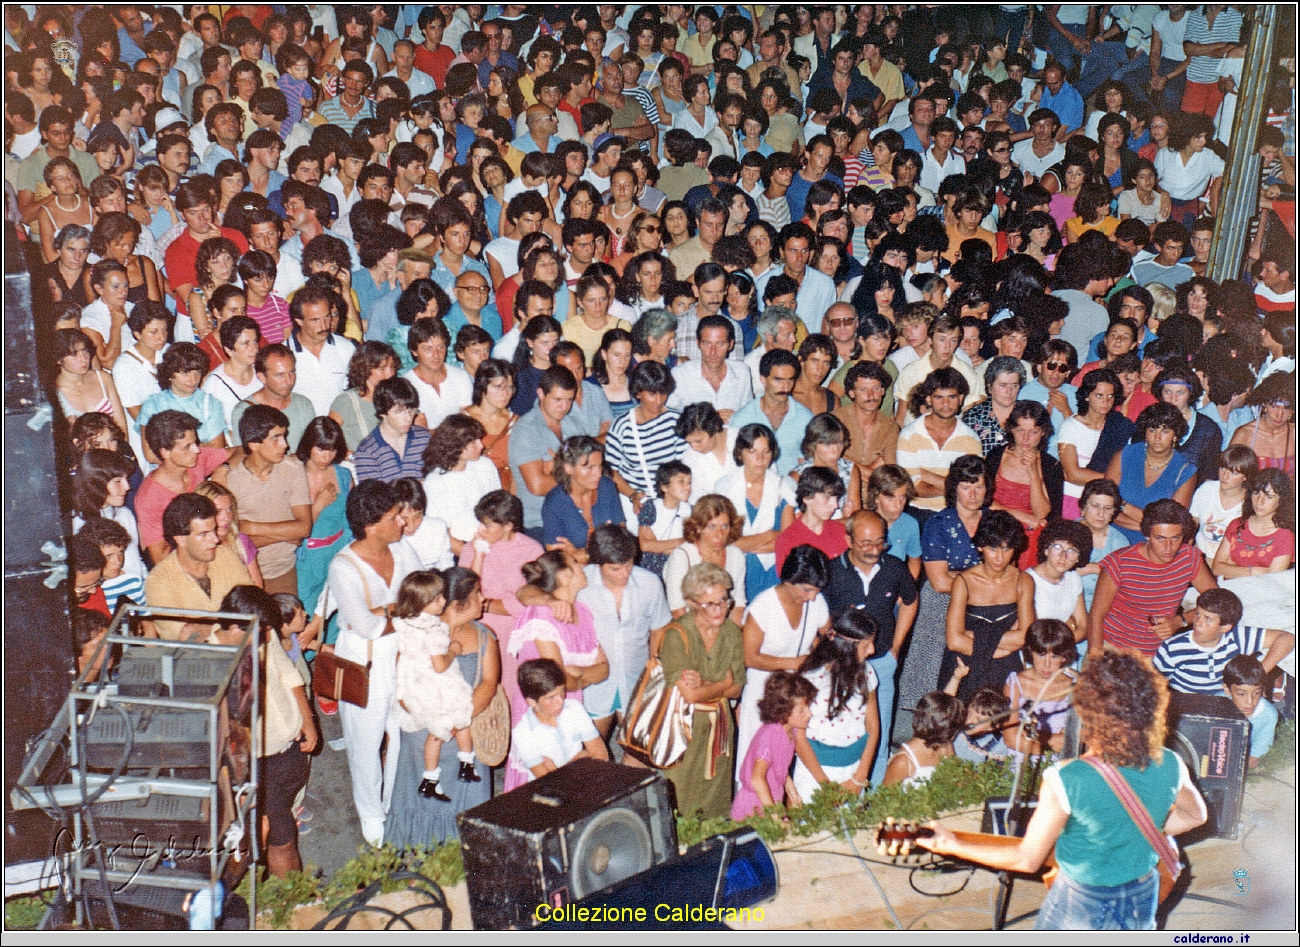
(1194, 660)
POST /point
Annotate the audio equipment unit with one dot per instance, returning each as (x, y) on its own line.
(1213, 738)
(561, 838)
(715, 883)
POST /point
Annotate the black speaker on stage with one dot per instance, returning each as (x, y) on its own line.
(37, 633)
(1213, 738)
(561, 838)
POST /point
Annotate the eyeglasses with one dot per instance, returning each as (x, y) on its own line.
(881, 544)
(846, 321)
(1003, 150)
(1061, 549)
(482, 290)
(1057, 367)
(721, 603)
(650, 230)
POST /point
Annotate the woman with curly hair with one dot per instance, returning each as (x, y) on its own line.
(1262, 539)
(710, 534)
(1151, 468)
(457, 476)
(1107, 876)
(354, 409)
(114, 238)
(214, 265)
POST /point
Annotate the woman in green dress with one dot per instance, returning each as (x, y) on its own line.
(705, 659)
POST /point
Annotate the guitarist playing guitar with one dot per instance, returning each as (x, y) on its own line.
(1092, 809)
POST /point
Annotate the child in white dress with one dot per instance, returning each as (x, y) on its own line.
(431, 693)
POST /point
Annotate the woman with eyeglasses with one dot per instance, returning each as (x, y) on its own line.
(1058, 588)
(703, 656)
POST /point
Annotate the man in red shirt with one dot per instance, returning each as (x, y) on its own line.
(1140, 591)
(195, 208)
(432, 56)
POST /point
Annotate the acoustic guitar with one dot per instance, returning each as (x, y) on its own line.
(895, 840)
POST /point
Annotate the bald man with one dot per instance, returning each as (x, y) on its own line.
(542, 122)
(867, 577)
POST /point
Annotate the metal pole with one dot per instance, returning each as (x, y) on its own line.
(1239, 191)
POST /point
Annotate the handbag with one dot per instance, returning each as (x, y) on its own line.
(339, 679)
(491, 727)
(657, 726)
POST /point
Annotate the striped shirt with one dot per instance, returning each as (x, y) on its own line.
(375, 458)
(1226, 29)
(1144, 588)
(332, 111)
(638, 450)
(1195, 669)
(272, 318)
(918, 452)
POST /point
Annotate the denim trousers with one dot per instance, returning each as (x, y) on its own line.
(885, 666)
(1073, 906)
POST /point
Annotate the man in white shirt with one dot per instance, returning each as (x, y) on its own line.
(1040, 152)
(419, 83)
(816, 289)
(713, 377)
(443, 389)
(322, 357)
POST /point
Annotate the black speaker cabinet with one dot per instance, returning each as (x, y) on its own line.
(1213, 738)
(561, 838)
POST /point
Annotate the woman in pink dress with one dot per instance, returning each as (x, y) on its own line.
(539, 633)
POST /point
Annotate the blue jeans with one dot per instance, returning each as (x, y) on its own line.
(1072, 906)
(1062, 49)
(1010, 27)
(1100, 63)
(885, 666)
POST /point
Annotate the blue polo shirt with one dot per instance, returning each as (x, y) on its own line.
(789, 436)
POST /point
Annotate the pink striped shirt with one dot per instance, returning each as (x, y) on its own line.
(272, 317)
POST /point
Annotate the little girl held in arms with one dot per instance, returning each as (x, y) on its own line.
(765, 774)
(431, 694)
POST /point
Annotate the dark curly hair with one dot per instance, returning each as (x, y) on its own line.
(998, 529)
(1270, 478)
(1121, 699)
(968, 468)
(1158, 415)
(448, 441)
(1072, 532)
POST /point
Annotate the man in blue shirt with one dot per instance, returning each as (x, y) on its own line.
(776, 409)
(1063, 99)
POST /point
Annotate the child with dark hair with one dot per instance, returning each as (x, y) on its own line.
(662, 521)
(431, 694)
(764, 775)
(1194, 660)
(983, 737)
(937, 720)
(554, 731)
(1243, 681)
(1042, 690)
(113, 541)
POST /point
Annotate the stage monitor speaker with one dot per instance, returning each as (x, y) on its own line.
(1213, 738)
(714, 883)
(574, 832)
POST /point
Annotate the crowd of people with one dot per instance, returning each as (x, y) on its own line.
(861, 364)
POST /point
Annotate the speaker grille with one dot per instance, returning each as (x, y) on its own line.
(613, 846)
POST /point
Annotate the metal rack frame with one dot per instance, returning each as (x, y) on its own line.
(84, 788)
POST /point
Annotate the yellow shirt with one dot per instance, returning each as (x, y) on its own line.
(588, 339)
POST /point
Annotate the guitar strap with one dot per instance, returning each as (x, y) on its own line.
(1138, 813)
